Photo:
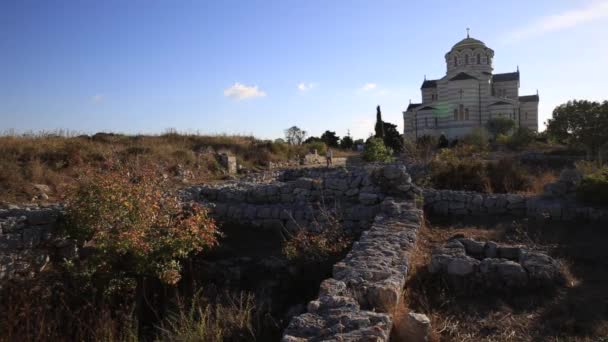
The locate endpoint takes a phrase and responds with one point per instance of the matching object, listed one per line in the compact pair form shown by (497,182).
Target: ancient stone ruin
(468,264)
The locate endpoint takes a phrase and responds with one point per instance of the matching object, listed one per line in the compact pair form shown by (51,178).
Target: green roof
(468,43)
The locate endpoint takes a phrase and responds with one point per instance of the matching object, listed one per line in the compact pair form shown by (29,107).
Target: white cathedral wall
(531,121)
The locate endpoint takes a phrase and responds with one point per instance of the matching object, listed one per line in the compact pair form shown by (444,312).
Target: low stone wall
(450,202)
(366,285)
(303,198)
(461,203)
(28,240)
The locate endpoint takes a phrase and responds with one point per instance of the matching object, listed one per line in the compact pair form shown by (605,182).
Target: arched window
(455,114)
(526,115)
(489,60)
(461,115)
(466,114)
(466,59)
(455,61)
(426,122)
(478,59)
(436,122)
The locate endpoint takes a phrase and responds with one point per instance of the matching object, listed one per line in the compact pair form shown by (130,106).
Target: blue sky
(258,67)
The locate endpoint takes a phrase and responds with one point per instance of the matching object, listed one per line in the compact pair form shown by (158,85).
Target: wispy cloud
(556,22)
(240,91)
(306,86)
(98,98)
(369,86)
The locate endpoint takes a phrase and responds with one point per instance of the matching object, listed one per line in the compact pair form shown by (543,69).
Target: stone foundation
(470,265)
(29,240)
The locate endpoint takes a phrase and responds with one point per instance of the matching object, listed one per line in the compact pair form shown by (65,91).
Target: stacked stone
(298,201)
(367,283)
(468,265)
(450,202)
(28,240)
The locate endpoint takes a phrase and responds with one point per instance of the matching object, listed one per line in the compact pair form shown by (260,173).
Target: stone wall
(355,304)
(28,240)
(546,207)
(302,198)
(450,202)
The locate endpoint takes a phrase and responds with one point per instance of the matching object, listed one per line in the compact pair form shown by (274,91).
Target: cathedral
(468,96)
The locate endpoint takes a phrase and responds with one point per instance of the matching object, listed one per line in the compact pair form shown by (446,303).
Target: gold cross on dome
(468,29)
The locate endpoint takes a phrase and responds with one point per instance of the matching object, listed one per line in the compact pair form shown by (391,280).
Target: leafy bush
(460,169)
(521,139)
(507,176)
(320,146)
(477,138)
(135,226)
(499,125)
(593,188)
(375,150)
(451,171)
(326,243)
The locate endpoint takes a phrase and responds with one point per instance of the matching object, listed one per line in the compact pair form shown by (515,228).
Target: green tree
(347,143)
(499,125)
(312,140)
(581,123)
(294,135)
(392,138)
(375,150)
(379,128)
(330,138)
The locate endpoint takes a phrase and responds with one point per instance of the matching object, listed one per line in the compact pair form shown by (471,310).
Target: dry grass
(56,160)
(578,312)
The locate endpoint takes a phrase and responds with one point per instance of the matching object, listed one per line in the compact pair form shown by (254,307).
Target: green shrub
(459,169)
(135,225)
(593,188)
(375,150)
(521,139)
(478,138)
(507,176)
(499,125)
(320,146)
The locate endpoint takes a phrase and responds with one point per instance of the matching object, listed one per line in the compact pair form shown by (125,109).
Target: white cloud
(240,91)
(369,86)
(306,86)
(568,19)
(98,98)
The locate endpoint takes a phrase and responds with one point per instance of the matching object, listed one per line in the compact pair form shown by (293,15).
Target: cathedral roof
(413,105)
(468,43)
(429,84)
(462,76)
(509,76)
(500,103)
(528,98)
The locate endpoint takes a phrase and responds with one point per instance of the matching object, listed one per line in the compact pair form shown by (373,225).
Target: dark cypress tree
(379,124)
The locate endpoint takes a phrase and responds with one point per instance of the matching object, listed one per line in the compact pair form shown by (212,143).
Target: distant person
(328,156)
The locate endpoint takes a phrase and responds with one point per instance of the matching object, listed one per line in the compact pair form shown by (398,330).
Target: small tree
(294,135)
(499,125)
(379,128)
(392,138)
(375,150)
(347,143)
(582,123)
(330,138)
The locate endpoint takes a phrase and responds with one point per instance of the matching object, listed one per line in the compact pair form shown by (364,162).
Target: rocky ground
(576,310)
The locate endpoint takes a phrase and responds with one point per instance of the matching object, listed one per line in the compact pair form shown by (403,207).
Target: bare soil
(576,312)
